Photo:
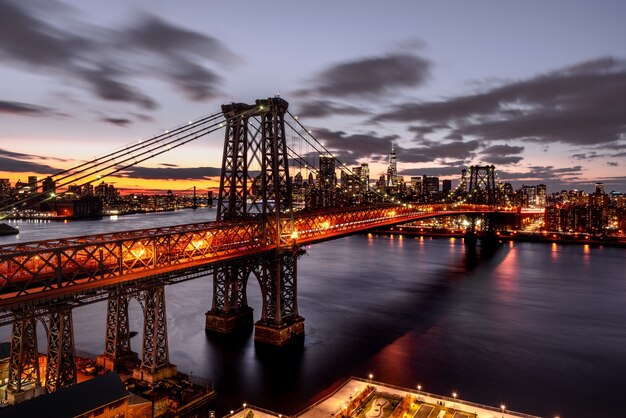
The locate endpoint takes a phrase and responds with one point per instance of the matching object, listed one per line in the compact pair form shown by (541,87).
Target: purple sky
(537,88)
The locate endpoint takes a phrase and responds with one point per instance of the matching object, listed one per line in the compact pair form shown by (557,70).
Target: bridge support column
(280,323)
(117,350)
(155,364)
(230,311)
(61,367)
(24,377)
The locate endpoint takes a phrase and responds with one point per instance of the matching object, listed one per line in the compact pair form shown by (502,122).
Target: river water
(539,327)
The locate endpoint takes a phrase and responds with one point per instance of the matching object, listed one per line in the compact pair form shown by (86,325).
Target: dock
(363,398)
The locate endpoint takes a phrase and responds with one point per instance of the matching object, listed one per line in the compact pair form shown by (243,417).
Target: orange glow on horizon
(134,185)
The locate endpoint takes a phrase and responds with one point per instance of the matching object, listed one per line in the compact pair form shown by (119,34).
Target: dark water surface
(540,327)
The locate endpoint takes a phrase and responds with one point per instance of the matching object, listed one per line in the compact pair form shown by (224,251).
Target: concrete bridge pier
(155,362)
(24,377)
(230,311)
(280,323)
(117,350)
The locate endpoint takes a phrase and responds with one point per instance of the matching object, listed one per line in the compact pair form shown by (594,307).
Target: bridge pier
(280,323)
(117,350)
(155,364)
(24,377)
(61,365)
(230,311)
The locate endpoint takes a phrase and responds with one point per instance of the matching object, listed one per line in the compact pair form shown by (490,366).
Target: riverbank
(544,237)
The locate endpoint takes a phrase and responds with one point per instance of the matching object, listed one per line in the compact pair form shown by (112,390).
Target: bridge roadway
(82,268)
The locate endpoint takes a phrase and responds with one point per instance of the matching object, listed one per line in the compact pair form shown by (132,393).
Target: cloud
(106,62)
(368,145)
(587,155)
(117,121)
(502,154)
(321,108)
(612,163)
(502,150)
(434,171)
(21,156)
(171,173)
(370,76)
(501,159)
(579,105)
(17,108)
(21,166)
(431,151)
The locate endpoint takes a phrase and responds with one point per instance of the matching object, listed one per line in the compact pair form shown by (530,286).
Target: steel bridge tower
(482,185)
(264,199)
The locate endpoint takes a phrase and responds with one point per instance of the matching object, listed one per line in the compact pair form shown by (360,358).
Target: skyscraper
(327,181)
(365,176)
(392,170)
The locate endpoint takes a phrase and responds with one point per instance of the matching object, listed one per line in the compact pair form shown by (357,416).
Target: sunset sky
(537,88)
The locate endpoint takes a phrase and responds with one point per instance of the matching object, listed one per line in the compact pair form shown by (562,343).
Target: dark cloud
(321,108)
(370,76)
(502,154)
(434,171)
(502,150)
(17,108)
(539,173)
(501,159)
(432,151)
(20,166)
(355,145)
(171,173)
(587,155)
(21,156)
(117,121)
(106,61)
(619,154)
(612,163)
(578,105)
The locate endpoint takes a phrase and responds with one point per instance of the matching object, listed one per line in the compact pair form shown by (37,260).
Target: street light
(371,376)
(454,396)
(503,406)
(419,388)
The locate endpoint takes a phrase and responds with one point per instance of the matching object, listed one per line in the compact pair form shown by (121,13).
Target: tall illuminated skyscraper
(392,171)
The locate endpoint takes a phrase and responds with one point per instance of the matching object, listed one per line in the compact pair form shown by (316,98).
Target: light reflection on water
(541,328)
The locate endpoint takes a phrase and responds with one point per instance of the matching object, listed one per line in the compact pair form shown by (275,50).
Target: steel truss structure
(61,365)
(277,276)
(24,362)
(117,339)
(155,354)
(40,274)
(482,185)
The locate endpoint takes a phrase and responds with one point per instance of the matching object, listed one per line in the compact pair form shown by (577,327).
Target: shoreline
(547,238)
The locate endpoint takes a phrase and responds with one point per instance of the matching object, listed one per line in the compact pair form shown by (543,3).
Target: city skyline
(544,105)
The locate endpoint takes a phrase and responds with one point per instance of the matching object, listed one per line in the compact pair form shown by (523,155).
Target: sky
(537,88)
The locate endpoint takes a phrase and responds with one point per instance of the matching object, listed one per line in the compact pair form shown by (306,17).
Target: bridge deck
(36,272)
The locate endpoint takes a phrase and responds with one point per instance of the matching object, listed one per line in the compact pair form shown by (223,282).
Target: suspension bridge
(258,233)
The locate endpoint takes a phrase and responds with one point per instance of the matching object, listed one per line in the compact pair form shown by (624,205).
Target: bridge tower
(482,185)
(266,199)
(117,337)
(61,367)
(24,377)
(155,360)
